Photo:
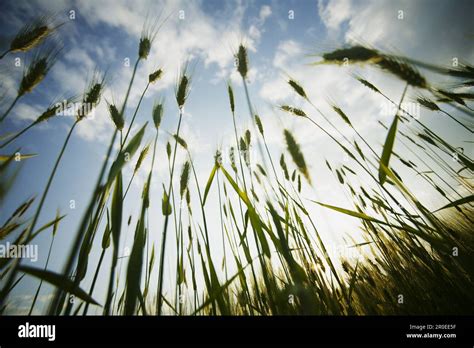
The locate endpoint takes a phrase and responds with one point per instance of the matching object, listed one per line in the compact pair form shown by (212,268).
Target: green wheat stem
(94,280)
(55,303)
(41,281)
(165,227)
(31,227)
(17,135)
(9,108)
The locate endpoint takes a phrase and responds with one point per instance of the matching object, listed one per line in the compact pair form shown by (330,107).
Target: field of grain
(243,239)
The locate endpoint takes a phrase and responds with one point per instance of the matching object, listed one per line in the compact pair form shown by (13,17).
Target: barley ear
(231,97)
(297,88)
(296,154)
(242,61)
(258,121)
(117,118)
(157,114)
(182,89)
(183,182)
(293,110)
(155,76)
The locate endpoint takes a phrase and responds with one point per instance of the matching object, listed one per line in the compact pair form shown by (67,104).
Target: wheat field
(166,228)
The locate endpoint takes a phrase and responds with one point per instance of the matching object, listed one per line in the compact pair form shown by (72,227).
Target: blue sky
(105,33)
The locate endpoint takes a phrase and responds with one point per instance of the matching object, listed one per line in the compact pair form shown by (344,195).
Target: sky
(283,39)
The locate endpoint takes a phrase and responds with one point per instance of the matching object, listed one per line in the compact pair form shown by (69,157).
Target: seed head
(284,167)
(403,70)
(258,121)
(342,114)
(328,165)
(354,54)
(297,88)
(260,168)
(50,112)
(182,90)
(31,35)
(168,149)
(165,203)
(117,118)
(242,61)
(450,96)
(232,158)
(35,73)
(368,84)
(345,266)
(428,104)
(142,157)
(38,68)
(180,141)
(157,114)
(188,202)
(293,110)
(359,150)
(231,97)
(144,47)
(296,154)
(153,77)
(91,97)
(183,182)
(218,158)
(149,32)
(243,145)
(427,138)
(54,109)
(248,137)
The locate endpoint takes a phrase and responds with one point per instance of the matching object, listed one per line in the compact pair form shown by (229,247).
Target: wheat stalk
(34,73)
(296,154)
(31,35)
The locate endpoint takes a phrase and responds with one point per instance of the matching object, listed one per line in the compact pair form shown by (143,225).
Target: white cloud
(27,112)
(286,52)
(79,57)
(10,81)
(275,89)
(335,12)
(198,37)
(99,127)
(378,23)
(265,12)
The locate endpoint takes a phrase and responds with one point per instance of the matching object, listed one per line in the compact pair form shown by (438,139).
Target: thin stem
(5,53)
(165,227)
(457,121)
(10,108)
(249,103)
(134,115)
(77,242)
(41,281)
(91,290)
(30,229)
(17,135)
(129,184)
(147,276)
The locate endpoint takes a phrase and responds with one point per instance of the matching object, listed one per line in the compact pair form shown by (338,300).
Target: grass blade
(59,281)
(461,201)
(387,150)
